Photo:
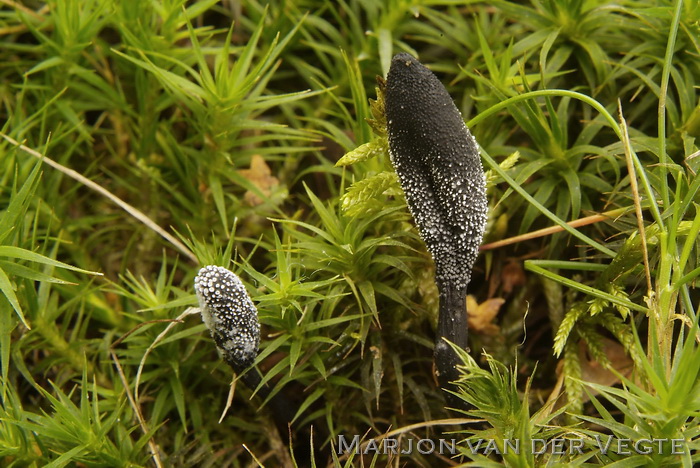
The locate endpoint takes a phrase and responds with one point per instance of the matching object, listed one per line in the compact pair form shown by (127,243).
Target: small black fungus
(232,320)
(437,161)
(229,314)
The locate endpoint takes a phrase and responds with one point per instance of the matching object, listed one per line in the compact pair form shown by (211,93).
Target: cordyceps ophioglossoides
(437,161)
(232,320)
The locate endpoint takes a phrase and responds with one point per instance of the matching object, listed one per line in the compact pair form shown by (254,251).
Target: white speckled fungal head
(229,314)
(437,161)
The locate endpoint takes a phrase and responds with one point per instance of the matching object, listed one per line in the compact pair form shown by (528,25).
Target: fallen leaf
(593,371)
(512,275)
(480,316)
(261,176)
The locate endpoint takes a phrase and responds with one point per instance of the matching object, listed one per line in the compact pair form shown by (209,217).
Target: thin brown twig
(119,340)
(24,9)
(136,213)
(626,144)
(554,229)
(153,447)
(253,455)
(229,398)
(173,322)
(133,399)
(551,399)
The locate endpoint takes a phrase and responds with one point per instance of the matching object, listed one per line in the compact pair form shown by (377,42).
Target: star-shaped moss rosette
(439,169)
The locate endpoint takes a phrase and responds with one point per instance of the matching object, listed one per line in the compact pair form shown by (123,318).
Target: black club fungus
(229,314)
(232,320)
(437,161)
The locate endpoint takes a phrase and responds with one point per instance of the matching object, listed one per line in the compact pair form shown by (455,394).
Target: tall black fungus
(437,161)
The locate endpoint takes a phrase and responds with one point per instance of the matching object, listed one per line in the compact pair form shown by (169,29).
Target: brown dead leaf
(480,316)
(594,372)
(261,176)
(512,276)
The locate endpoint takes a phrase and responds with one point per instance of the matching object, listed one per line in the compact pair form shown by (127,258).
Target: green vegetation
(179,134)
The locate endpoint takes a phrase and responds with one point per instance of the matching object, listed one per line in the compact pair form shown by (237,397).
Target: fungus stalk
(437,161)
